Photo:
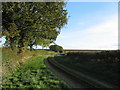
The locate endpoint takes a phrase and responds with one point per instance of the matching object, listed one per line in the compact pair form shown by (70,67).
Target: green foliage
(10,59)
(33,74)
(56,48)
(30,23)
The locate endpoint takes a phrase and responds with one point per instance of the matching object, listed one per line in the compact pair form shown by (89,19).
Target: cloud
(81,23)
(102,36)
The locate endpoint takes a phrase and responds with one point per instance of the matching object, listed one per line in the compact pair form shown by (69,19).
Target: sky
(93,0)
(91,25)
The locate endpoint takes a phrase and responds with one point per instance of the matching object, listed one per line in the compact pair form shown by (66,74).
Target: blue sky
(91,25)
(92,0)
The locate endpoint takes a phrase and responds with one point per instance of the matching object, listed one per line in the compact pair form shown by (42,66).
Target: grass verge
(11,60)
(33,74)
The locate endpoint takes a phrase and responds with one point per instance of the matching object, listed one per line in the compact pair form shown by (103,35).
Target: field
(75,50)
(102,66)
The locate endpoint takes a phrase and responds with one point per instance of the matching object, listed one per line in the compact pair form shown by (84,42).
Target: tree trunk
(31,47)
(12,46)
(21,46)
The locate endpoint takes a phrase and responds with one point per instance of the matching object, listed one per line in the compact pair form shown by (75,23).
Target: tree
(10,29)
(25,23)
(56,48)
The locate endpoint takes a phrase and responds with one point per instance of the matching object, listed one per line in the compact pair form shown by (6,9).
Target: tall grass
(11,60)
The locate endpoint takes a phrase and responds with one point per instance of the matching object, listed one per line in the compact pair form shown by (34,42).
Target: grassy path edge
(33,74)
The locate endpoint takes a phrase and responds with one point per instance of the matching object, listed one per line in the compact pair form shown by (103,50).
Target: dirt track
(72,82)
(63,76)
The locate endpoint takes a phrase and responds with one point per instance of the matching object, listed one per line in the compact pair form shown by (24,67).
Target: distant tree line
(32,23)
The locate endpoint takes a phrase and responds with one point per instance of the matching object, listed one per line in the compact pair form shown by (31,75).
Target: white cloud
(103,36)
(81,23)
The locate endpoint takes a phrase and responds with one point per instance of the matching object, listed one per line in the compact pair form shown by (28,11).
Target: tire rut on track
(63,76)
(88,77)
(70,81)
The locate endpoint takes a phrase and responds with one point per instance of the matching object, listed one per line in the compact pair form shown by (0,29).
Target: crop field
(75,50)
(33,74)
(102,66)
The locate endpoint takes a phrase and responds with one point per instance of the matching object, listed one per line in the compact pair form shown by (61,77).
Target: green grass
(11,60)
(33,74)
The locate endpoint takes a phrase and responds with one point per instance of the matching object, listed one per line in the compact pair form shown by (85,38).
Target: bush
(56,48)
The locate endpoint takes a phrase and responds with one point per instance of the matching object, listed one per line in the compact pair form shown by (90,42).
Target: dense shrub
(56,48)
